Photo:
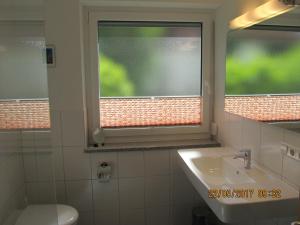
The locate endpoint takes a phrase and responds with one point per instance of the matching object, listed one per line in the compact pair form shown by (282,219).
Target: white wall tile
(251,137)
(64,94)
(105,195)
(198,200)
(11,174)
(79,194)
(158,216)
(4,188)
(41,192)
(181,185)
(58,164)
(175,166)
(38,159)
(182,214)
(56,130)
(221,129)
(132,193)
(291,170)
(131,164)
(55,89)
(12,186)
(70,98)
(157,162)
(73,129)
(17,170)
(9,210)
(107,217)
(157,191)
(132,217)
(76,163)
(10,140)
(42,139)
(28,139)
(109,157)
(226,129)
(46,192)
(291,167)
(45,168)
(270,153)
(10,136)
(2,156)
(286,221)
(61,195)
(292,138)
(266,222)
(86,218)
(30,166)
(235,131)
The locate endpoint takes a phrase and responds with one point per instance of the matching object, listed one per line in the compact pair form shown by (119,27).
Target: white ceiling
(205,4)
(21,3)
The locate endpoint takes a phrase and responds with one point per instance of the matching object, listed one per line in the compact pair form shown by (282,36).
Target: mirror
(263,71)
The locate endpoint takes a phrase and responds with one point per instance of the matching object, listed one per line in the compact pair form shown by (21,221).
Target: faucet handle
(246,155)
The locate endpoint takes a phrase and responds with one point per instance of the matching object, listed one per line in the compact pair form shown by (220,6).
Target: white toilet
(48,215)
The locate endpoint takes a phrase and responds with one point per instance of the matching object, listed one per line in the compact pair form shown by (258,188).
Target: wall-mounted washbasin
(234,193)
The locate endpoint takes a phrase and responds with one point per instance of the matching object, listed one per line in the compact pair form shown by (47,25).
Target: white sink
(234,193)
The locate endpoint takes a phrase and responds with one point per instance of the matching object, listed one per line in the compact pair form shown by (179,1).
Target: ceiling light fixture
(265,11)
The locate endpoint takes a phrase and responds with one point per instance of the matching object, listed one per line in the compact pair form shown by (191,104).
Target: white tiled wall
(147,187)
(265,141)
(12,188)
(144,189)
(38,157)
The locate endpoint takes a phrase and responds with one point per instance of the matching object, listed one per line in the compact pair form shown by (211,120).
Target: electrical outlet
(293,152)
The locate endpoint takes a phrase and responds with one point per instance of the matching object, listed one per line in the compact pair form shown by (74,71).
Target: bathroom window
(262,81)
(149,74)
(23,77)
(148,77)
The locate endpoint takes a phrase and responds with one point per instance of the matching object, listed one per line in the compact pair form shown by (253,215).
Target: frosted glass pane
(23,77)
(263,62)
(145,59)
(23,72)
(262,80)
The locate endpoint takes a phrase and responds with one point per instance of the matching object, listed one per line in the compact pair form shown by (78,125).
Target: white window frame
(158,134)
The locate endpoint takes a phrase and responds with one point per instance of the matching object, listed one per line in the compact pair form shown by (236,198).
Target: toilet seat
(48,215)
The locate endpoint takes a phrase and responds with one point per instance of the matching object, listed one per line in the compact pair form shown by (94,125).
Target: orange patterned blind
(166,111)
(161,111)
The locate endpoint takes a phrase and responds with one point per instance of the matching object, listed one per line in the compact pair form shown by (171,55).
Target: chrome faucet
(246,155)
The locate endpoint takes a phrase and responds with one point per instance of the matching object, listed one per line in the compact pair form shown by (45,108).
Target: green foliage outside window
(140,59)
(114,79)
(265,73)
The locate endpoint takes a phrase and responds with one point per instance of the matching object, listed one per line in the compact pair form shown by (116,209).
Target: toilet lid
(48,215)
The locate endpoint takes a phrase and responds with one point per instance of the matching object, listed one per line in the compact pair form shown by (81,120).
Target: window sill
(154,146)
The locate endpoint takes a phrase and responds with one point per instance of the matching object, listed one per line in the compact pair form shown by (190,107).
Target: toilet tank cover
(48,215)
